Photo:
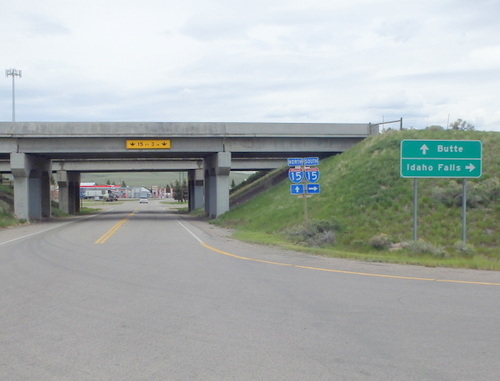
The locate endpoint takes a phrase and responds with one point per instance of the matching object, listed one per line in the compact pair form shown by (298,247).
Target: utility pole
(13,73)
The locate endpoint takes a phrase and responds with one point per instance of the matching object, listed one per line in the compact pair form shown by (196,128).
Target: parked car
(143,200)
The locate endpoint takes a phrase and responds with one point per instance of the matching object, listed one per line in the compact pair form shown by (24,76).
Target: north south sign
(441,158)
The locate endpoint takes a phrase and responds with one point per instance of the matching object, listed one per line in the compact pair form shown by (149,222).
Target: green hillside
(365,209)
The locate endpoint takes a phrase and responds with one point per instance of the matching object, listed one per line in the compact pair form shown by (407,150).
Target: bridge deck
(182,129)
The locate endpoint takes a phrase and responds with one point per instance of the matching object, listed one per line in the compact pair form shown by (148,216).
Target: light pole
(13,73)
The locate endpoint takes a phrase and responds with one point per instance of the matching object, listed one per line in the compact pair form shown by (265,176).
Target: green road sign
(441,158)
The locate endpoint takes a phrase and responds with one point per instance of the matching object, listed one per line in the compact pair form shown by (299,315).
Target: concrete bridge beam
(31,186)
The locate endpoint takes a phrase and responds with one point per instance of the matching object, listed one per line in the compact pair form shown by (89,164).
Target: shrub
(5,208)
(435,128)
(465,250)
(484,192)
(421,247)
(380,241)
(478,194)
(314,233)
(449,195)
(6,189)
(323,239)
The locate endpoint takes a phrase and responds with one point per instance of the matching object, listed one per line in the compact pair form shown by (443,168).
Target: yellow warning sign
(148,144)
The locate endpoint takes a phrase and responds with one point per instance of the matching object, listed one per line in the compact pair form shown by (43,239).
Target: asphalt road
(141,293)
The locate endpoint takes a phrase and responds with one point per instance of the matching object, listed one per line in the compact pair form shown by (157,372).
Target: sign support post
(464,211)
(304,178)
(415,207)
(306,217)
(441,159)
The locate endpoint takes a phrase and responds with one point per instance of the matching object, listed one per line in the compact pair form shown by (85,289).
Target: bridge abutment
(31,186)
(196,186)
(217,169)
(69,191)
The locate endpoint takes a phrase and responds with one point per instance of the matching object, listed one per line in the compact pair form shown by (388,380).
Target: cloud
(265,60)
(38,25)
(205,27)
(400,30)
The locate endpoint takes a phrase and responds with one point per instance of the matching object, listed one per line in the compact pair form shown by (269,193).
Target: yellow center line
(114,229)
(343,271)
(332,270)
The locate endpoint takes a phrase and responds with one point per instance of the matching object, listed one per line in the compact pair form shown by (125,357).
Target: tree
(434,127)
(124,185)
(462,125)
(178,193)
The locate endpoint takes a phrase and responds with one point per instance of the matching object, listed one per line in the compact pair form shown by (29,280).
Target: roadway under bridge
(32,151)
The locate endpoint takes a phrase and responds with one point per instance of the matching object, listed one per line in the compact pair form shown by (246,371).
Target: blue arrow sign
(313,188)
(312,174)
(296,175)
(297,189)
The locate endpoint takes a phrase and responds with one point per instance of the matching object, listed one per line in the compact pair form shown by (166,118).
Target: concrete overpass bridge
(31,151)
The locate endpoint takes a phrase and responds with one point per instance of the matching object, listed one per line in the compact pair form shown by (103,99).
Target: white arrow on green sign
(441,158)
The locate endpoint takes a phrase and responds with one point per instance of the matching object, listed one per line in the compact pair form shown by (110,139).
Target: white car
(143,200)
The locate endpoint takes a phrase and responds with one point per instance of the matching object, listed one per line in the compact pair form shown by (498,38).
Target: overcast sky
(354,61)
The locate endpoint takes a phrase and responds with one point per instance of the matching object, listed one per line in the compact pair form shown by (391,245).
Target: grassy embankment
(7,217)
(365,209)
(6,207)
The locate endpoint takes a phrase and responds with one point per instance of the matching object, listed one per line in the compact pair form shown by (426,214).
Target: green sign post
(441,158)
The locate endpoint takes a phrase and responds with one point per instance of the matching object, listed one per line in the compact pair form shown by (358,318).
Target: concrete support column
(69,191)
(217,169)
(196,182)
(31,186)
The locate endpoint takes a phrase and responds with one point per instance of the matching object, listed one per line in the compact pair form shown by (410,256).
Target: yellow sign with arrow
(148,144)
